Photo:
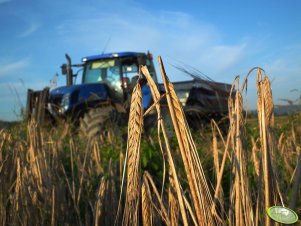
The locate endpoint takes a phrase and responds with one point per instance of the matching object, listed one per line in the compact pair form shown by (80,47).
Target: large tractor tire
(96,121)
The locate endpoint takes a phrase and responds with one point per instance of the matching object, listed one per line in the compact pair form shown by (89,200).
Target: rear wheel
(96,121)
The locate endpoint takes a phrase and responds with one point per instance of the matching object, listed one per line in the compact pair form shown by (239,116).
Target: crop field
(171,175)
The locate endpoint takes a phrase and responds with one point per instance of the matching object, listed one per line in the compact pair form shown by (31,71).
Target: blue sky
(219,38)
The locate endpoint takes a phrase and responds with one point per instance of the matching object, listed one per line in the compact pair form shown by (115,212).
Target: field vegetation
(169,176)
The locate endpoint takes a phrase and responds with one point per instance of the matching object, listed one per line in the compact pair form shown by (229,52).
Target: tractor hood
(83,91)
(65,98)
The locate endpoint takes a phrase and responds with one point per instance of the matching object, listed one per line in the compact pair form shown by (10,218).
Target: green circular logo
(282,214)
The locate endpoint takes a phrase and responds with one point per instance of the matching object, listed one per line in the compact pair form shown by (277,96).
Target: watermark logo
(282,214)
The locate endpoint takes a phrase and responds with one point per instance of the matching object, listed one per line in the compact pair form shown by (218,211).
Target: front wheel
(95,121)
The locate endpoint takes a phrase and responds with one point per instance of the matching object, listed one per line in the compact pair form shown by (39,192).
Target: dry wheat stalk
(100,201)
(3,136)
(218,196)
(97,157)
(53,218)
(173,207)
(83,171)
(265,119)
(254,157)
(110,201)
(218,193)
(34,149)
(161,210)
(71,194)
(264,168)
(172,169)
(258,211)
(215,151)
(172,201)
(146,200)
(280,144)
(72,149)
(173,204)
(242,201)
(201,196)
(191,212)
(18,185)
(297,182)
(131,208)
(218,188)
(269,106)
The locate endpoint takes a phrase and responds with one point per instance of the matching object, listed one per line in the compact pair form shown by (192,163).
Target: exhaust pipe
(67,70)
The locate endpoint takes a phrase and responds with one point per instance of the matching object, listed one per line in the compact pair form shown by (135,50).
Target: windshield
(101,71)
(104,71)
(114,72)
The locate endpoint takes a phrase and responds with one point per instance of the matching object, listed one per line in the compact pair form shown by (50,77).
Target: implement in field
(37,104)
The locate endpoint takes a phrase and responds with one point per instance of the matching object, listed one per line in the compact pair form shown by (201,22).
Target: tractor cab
(119,71)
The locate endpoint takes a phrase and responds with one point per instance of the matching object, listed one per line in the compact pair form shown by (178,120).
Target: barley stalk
(3,136)
(264,120)
(221,172)
(83,169)
(242,202)
(172,170)
(33,151)
(146,203)
(53,207)
(201,196)
(18,184)
(110,201)
(297,183)
(161,209)
(255,158)
(173,207)
(215,152)
(99,202)
(189,208)
(131,208)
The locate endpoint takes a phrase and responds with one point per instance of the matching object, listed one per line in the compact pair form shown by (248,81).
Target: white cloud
(284,71)
(173,35)
(225,56)
(171,30)
(30,30)
(11,68)
(4,1)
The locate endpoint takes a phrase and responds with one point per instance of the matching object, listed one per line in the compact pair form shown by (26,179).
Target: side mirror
(64,69)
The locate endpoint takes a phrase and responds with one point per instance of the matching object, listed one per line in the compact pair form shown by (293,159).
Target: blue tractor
(104,93)
(105,90)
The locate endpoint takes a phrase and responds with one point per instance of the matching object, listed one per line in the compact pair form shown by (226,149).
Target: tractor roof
(112,55)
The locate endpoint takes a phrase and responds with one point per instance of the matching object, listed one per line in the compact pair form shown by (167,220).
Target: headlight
(65,103)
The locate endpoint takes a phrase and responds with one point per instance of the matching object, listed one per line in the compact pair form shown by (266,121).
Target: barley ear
(131,207)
